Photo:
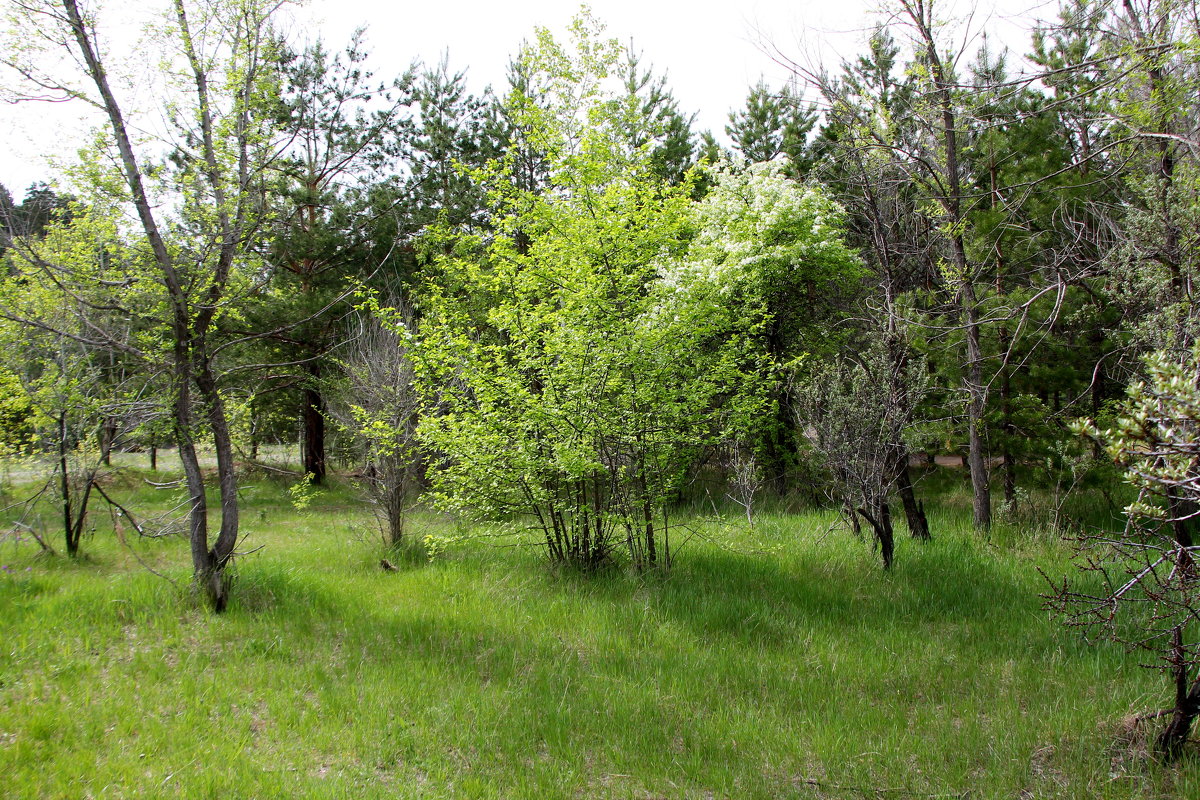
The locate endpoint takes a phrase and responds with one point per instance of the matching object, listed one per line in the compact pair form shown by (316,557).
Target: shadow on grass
(762,599)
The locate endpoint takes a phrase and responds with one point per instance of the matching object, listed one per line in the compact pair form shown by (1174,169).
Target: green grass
(778,662)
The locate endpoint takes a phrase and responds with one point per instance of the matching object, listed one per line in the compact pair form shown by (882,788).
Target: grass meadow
(772,661)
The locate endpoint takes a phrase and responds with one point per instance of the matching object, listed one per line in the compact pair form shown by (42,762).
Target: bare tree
(855,414)
(379,411)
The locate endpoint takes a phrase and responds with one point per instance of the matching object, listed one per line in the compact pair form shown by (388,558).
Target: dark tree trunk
(881,523)
(1008,461)
(65,486)
(108,435)
(215,580)
(849,511)
(312,417)
(1010,480)
(780,446)
(914,511)
(394,511)
(981,500)
(153,456)
(1174,736)
(1171,741)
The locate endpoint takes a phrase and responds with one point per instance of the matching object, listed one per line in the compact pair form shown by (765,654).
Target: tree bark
(216,582)
(914,511)
(1174,736)
(312,417)
(65,485)
(881,524)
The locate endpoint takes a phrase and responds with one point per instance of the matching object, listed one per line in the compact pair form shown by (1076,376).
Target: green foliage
(1156,437)
(658,122)
(586,370)
(774,124)
(302,492)
(17,432)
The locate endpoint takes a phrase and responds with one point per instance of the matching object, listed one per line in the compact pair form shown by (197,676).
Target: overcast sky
(711,51)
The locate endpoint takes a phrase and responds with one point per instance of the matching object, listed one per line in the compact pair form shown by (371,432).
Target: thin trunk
(648,525)
(887,539)
(65,485)
(188,330)
(394,508)
(981,500)
(193,477)
(1171,741)
(218,426)
(920,13)
(1010,431)
(1003,345)
(81,513)
(849,511)
(108,435)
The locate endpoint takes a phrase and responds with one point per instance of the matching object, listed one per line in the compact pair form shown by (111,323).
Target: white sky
(711,51)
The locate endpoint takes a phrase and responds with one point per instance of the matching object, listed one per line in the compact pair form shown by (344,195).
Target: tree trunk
(920,14)
(312,417)
(65,485)
(394,497)
(881,524)
(193,478)
(108,435)
(914,511)
(981,500)
(1170,742)
(1174,736)
(218,426)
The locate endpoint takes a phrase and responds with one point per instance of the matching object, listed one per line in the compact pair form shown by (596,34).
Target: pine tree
(774,124)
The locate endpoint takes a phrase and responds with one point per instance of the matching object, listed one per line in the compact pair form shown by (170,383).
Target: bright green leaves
(579,363)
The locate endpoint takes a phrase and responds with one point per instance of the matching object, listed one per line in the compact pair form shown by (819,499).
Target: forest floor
(772,661)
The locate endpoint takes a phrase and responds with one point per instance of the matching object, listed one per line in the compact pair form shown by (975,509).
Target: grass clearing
(777,662)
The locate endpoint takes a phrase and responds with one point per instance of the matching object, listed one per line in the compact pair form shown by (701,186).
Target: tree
(1154,267)
(943,197)
(859,415)
(456,132)
(1147,593)
(657,121)
(861,160)
(566,378)
(379,413)
(776,249)
(198,235)
(344,135)
(774,124)
(62,322)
